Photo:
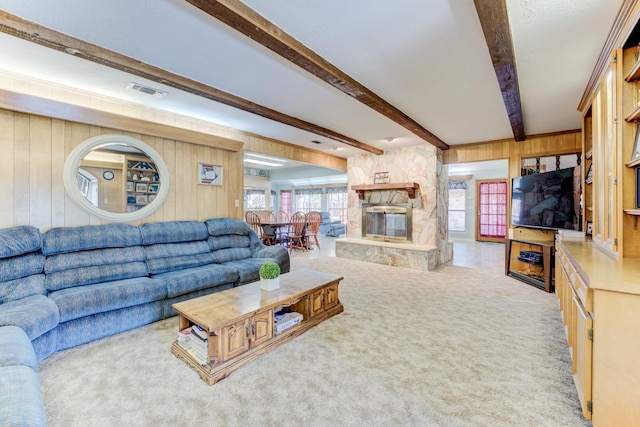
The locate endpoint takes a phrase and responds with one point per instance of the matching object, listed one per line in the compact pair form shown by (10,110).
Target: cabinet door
(330,296)
(235,339)
(582,355)
(262,327)
(317,302)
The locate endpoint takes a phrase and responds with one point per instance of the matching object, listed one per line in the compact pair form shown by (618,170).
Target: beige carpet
(452,347)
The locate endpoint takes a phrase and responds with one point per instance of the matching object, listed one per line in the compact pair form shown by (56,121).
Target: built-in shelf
(409,187)
(634,116)
(634,73)
(633,163)
(635,212)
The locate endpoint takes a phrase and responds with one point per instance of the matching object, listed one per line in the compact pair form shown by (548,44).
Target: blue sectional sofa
(72,285)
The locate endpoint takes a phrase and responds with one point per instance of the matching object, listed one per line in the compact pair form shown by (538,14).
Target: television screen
(547,200)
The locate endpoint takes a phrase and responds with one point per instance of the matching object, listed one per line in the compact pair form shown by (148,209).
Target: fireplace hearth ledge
(417,257)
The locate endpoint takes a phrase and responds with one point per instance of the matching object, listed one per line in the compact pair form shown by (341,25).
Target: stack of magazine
(194,340)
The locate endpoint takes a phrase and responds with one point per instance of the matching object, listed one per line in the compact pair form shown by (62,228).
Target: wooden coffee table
(239,322)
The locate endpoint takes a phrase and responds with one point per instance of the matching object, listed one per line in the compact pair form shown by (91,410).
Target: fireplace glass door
(390,223)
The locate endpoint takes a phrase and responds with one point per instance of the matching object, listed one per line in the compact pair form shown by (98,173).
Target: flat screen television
(548,200)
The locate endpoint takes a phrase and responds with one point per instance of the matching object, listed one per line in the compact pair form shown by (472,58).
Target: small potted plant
(269,276)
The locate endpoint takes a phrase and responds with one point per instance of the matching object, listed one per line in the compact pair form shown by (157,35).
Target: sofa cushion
(19,240)
(21,266)
(13,290)
(101,297)
(249,268)
(222,226)
(228,241)
(173,232)
(177,256)
(70,239)
(181,282)
(20,397)
(36,315)
(96,274)
(94,257)
(16,348)
(231,254)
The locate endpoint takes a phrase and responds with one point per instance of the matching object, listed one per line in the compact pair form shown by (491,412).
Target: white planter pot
(270,284)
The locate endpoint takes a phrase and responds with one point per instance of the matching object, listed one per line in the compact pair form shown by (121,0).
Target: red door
(491,206)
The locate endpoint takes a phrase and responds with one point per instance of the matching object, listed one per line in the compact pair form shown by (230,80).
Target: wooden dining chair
(296,233)
(253,220)
(313,226)
(282,236)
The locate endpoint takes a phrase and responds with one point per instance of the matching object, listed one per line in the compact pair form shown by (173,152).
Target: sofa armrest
(279,253)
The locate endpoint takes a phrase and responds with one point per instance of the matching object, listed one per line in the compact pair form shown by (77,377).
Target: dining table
(274,229)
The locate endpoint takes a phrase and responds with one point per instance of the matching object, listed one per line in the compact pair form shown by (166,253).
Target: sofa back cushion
(19,240)
(71,239)
(78,256)
(21,263)
(93,266)
(173,232)
(230,239)
(175,245)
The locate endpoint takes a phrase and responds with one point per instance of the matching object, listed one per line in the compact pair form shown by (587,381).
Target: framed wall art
(209,174)
(381,178)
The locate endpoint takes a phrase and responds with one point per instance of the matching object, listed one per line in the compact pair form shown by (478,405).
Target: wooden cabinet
(599,299)
(324,299)
(238,337)
(239,322)
(530,261)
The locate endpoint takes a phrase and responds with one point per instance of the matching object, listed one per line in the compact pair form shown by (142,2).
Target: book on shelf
(197,330)
(285,319)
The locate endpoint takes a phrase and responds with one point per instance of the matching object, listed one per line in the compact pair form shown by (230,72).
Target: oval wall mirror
(116,178)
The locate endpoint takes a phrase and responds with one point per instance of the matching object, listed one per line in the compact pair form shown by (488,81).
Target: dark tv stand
(538,273)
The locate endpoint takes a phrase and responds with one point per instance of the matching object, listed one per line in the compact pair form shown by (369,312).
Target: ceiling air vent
(315,141)
(136,87)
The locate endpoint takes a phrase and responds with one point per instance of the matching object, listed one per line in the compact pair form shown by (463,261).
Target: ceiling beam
(241,18)
(33,32)
(495,25)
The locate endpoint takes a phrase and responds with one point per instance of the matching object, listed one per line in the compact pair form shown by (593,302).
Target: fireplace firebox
(387,222)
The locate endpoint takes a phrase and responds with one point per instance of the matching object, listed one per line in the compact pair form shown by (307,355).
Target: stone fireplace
(377,231)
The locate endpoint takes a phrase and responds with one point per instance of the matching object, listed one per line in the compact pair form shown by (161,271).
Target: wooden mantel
(409,187)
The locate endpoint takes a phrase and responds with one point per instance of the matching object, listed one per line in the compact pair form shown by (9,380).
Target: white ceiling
(427,58)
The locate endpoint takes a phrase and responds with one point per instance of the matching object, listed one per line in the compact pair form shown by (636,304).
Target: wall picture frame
(141,187)
(129,185)
(142,199)
(381,178)
(209,174)
(153,188)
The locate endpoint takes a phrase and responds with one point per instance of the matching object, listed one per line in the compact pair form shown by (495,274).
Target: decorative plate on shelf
(262,173)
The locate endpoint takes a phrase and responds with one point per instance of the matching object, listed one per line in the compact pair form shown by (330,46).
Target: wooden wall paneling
(7,119)
(203,193)
(21,159)
(39,172)
(74,135)
(58,157)
(190,172)
(170,203)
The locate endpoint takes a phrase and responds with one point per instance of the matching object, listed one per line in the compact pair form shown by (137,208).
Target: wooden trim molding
(495,25)
(33,32)
(409,187)
(604,59)
(248,22)
(59,110)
